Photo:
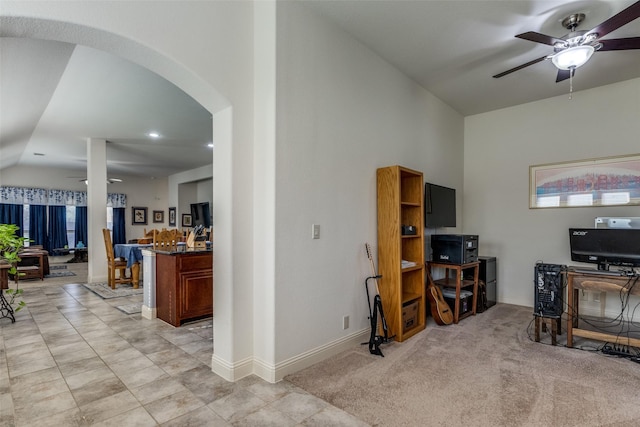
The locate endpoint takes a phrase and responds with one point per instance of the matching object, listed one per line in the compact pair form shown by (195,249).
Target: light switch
(315,231)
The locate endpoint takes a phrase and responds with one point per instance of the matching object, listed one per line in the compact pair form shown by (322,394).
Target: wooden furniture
(619,285)
(33,264)
(115,264)
(166,240)
(400,203)
(542,323)
(459,282)
(184,285)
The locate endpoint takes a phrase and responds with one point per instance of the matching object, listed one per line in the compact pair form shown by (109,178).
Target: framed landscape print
(158,216)
(608,181)
(138,216)
(186,220)
(172,217)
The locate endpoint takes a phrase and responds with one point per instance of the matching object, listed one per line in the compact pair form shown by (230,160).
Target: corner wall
(500,146)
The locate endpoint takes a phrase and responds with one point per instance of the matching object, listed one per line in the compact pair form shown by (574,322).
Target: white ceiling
(53,96)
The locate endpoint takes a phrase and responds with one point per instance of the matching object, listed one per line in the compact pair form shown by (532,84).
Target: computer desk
(599,283)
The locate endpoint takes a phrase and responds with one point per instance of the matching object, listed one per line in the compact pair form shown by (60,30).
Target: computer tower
(487,274)
(548,290)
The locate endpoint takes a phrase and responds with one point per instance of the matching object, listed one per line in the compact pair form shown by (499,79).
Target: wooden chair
(114,265)
(166,240)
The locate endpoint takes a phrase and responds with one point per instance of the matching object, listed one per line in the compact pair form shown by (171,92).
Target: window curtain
(119,235)
(12,214)
(57,228)
(81,226)
(38,225)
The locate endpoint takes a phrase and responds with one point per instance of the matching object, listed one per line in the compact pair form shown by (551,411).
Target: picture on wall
(172,217)
(609,181)
(138,216)
(186,220)
(158,216)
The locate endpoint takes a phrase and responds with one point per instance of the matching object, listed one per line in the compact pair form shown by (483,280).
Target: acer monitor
(605,246)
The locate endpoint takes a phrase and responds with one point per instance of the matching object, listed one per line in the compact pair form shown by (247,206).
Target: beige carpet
(485,371)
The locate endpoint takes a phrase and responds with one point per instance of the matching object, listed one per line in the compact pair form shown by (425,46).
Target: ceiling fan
(574,49)
(86,180)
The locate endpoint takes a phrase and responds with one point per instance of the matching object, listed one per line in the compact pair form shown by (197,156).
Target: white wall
(499,148)
(140,191)
(342,112)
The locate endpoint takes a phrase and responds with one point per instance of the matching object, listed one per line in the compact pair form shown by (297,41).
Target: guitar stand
(376,340)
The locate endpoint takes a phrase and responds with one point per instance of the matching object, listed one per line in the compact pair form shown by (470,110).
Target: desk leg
(135,275)
(456,315)
(571,312)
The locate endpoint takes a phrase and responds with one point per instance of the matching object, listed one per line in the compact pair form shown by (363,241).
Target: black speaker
(487,291)
(548,290)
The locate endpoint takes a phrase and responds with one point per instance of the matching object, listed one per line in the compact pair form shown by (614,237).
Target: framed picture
(139,216)
(607,181)
(158,216)
(172,217)
(186,220)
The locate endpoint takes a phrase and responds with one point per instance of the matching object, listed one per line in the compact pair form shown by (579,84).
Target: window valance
(41,196)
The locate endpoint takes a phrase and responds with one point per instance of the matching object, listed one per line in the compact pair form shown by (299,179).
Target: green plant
(10,245)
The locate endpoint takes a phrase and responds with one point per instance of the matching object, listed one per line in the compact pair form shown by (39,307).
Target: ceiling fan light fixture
(572,57)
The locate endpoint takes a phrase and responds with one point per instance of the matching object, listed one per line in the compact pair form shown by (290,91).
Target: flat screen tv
(439,206)
(200,214)
(605,246)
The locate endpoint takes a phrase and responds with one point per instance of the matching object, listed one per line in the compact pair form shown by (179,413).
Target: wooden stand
(458,282)
(556,327)
(601,283)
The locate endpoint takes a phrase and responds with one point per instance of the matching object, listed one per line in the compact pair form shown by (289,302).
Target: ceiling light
(572,57)
(154,134)
(210,145)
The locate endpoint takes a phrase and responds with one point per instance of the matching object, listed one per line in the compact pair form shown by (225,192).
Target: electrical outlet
(315,231)
(596,296)
(345,322)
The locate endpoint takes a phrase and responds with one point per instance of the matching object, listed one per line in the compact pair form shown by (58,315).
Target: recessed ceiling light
(153,134)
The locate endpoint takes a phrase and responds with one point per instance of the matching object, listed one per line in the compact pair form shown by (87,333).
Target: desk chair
(114,265)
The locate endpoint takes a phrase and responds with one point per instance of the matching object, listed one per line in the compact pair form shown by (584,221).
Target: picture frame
(605,181)
(186,220)
(138,216)
(158,216)
(172,217)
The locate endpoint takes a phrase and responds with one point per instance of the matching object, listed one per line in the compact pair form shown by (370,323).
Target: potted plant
(10,245)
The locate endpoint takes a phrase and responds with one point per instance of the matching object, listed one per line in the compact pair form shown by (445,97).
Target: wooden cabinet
(184,286)
(402,288)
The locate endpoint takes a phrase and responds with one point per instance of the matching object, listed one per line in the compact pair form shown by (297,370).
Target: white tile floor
(73,359)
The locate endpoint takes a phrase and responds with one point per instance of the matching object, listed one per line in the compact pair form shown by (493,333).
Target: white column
(149,309)
(96,208)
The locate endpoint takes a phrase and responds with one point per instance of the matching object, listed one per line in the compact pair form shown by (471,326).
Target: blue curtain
(12,214)
(57,228)
(119,235)
(38,225)
(81,226)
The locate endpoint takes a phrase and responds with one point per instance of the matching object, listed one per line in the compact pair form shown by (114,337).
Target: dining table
(132,253)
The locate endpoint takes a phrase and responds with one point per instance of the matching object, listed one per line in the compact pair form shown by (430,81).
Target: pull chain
(571,83)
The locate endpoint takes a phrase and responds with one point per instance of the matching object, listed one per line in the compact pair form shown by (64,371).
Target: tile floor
(73,359)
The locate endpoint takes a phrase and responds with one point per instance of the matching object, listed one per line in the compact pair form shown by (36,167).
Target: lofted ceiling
(53,96)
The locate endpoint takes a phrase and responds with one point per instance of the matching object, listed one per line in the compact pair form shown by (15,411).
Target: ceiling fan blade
(520,67)
(539,38)
(617,21)
(620,44)
(564,74)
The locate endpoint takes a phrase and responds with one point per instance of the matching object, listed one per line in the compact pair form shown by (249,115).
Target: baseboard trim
(231,371)
(318,354)
(148,312)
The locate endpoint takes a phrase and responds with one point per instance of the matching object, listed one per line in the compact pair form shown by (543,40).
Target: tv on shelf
(439,206)
(605,246)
